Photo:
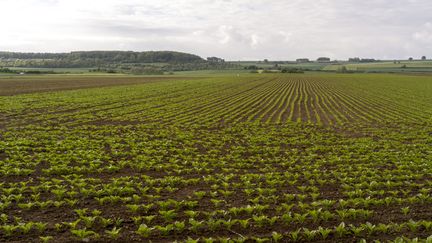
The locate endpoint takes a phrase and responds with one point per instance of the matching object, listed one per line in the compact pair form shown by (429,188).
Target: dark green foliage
(7,70)
(251,67)
(292,70)
(94,58)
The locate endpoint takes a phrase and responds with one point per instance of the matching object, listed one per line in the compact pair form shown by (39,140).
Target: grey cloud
(240,29)
(425,34)
(127,30)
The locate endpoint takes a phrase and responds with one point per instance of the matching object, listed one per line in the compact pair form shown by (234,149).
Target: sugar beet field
(249,158)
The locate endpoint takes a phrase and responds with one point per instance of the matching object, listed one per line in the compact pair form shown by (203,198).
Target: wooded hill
(94,58)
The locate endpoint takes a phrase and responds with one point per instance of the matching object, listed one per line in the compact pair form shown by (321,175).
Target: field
(404,66)
(59,70)
(309,66)
(386,66)
(13,85)
(217,158)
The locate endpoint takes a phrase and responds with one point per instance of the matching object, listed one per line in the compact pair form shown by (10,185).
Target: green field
(314,66)
(416,66)
(59,70)
(226,157)
(385,66)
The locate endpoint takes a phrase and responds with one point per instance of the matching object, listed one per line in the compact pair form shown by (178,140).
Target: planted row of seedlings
(218,160)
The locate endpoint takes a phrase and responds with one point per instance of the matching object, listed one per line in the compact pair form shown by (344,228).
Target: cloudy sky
(232,29)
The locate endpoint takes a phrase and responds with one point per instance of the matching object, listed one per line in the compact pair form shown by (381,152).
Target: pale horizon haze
(234,30)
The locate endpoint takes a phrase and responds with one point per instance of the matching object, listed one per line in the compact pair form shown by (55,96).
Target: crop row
(220,159)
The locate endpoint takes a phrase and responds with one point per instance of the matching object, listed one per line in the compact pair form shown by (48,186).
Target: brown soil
(25,85)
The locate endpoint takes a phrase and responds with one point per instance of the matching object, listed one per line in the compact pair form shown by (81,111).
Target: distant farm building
(302,60)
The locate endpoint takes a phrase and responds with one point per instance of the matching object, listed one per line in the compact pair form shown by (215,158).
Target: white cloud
(255,41)
(424,35)
(240,29)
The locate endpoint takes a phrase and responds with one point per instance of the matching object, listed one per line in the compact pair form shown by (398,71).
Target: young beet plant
(277,237)
(84,234)
(195,225)
(114,233)
(405,210)
(168,215)
(46,239)
(165,230)
(144,231)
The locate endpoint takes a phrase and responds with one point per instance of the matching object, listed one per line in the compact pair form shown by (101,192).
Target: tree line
(94,58)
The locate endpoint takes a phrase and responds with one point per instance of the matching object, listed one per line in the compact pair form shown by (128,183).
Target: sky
(231,29)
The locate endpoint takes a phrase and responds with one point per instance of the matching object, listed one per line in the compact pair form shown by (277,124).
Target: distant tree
(266,61)
(410,59)
(354,59)
(292,70)
(7,70)
(215,59)
(251,67)
(423,58)
(343,69)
